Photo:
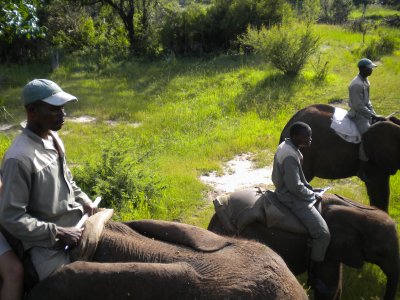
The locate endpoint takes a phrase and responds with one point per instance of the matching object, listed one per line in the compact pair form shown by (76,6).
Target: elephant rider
(361,111)
(293,190)
(40,203)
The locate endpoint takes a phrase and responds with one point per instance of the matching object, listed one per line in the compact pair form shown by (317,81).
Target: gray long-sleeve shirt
(359,101)
(288,177)
(38,192)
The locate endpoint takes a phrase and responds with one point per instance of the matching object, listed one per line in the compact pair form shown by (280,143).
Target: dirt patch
(6,127)
(115,123)
(238,174)
(89,119)
(82,119)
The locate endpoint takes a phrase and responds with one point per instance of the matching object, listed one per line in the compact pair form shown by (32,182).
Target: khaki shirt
(288,177)
(359,101)
(38,192)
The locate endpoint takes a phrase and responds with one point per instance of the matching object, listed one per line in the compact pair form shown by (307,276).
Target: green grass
(374,11)
(196,114)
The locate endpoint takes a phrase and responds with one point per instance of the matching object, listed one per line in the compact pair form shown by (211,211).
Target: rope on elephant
(354,204)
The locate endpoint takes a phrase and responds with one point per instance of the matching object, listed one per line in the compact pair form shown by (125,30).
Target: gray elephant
(359,234)
(152,259)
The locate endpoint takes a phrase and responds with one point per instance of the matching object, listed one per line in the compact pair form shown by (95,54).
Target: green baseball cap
(47,91)
(365,62)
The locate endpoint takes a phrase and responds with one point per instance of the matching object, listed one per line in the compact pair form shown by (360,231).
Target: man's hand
(69,235)
(377,118)
(89,208)
(318,198)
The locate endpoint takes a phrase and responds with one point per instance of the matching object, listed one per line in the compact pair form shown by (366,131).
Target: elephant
(331,157)
(154,259)
(359,234)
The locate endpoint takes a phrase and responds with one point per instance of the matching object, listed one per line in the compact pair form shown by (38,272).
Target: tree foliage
(92,30)
(135,16)
(198,28)
(335,11)
(19,28)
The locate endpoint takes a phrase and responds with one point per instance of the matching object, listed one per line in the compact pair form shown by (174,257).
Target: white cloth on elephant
(344,126)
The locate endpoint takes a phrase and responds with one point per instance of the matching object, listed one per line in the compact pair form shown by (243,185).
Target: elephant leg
(378,191)
(90,280)
(328,285)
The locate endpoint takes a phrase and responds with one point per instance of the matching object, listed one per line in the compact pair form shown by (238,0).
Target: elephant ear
(382,145)
(177,233)
(346,237)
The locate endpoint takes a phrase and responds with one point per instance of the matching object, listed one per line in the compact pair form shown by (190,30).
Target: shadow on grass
(269,96)
(135,84)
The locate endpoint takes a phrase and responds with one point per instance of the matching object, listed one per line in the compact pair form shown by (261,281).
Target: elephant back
(239,209)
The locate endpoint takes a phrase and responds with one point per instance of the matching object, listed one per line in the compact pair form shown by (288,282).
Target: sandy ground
(238,174)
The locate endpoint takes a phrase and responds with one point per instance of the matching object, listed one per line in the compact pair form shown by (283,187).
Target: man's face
(365,72)
(48,117)
(303,139)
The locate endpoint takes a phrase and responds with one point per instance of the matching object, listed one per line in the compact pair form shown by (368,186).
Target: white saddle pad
(345,127)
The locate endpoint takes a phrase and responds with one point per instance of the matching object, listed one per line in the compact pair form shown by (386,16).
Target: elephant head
(359,234)
(166,260)
(363,234)
(332,157)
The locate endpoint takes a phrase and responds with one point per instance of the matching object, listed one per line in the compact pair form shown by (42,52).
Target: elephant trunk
(391,284)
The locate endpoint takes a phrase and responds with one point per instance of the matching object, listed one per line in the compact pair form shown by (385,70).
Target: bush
(92,31)
(286,47)
(384,44)
(335,11)
(197,28)
(122,179)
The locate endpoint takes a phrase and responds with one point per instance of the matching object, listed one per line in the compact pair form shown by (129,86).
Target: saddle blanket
(344,126)
(239,209)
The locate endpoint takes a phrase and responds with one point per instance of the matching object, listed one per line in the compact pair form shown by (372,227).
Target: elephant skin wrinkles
(130,265)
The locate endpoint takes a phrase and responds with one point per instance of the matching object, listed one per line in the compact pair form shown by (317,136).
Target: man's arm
(13,207)
(357,101)
(292,180)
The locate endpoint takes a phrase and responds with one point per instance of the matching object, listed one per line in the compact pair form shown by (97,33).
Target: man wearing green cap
(361,111)
(40,203)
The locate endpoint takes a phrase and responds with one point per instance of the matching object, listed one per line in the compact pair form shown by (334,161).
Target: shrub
(198,28)
(286,47)
(384,44)
(94,31)
(335,11)
(122,179)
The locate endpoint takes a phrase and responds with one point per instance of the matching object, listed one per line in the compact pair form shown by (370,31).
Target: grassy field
(192,115)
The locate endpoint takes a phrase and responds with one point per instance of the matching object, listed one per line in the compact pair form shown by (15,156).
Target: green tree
(19,26)
(335,11)
(135,15)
